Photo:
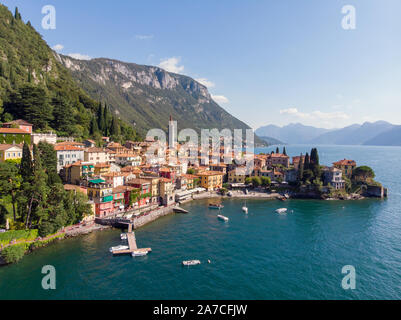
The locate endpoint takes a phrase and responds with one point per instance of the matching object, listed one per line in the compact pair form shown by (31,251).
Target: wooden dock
(131,244)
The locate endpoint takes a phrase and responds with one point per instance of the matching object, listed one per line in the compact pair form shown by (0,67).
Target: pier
(131,243)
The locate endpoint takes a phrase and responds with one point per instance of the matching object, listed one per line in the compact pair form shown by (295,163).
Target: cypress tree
(17,15)
(100,120)
(114,128)
(277,150)
(284,151)
(93,127)
(307,162)
(301,169)
(26,168)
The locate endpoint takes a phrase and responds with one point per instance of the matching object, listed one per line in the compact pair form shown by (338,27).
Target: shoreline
(153,215)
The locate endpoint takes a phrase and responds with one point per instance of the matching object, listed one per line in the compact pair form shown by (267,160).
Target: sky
(265,62)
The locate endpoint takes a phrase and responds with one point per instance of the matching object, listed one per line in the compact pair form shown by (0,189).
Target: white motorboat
(118,248)
(281,210)
(139,253)
(123,236)
(221,217)
(191,262)
(245,208)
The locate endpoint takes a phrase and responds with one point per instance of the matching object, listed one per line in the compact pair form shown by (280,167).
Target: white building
(67,155)
(45,137)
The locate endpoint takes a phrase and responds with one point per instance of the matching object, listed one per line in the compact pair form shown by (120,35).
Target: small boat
(118,248)
(230,194)
(123,236)
(281,210)
(215,206)
(245,208)
(222,217)
(139,253)
(191,262)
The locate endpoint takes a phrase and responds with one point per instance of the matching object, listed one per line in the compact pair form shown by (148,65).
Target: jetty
(131,244)
(179,210)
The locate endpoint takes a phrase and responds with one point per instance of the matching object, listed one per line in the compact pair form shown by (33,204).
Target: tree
(314,163)
(256,182)
(301,169)
(284,151)
(31,103)
(10,182)
(190,171)
(307,162)
(94,129)
(266,181)
(363,173)
(26,169)
(49,162)
(277,150)
(63,113)
(17,15)
(248,180)
(115,127)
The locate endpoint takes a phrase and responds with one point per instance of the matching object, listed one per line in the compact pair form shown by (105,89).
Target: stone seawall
(152,216)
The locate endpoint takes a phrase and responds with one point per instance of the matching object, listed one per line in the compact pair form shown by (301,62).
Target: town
(119,181)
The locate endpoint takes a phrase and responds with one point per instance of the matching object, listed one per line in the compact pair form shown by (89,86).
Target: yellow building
(102,168)
(10,152)
(237,175)
(154,187)
(211,180)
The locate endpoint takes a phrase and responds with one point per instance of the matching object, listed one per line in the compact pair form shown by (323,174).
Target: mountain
(390,137)
(271,141)
(36,87)
(355,134)
(146,96)
(295,133)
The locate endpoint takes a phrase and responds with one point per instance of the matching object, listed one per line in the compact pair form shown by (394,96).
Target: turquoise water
(261,255)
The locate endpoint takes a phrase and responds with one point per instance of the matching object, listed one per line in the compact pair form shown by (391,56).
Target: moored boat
(118,248)
(221,217)
(215,206)
(123,236)
(139,253)
(191,262)
(281,210)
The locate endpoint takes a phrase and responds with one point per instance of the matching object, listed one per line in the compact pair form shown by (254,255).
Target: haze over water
(261,255)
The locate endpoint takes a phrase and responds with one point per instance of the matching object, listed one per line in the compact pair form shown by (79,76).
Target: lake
(262,255)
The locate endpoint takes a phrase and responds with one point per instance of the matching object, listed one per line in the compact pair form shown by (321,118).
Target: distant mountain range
(380,133)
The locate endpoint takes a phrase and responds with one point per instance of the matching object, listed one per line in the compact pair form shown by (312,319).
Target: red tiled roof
(13,130)
(66,148)
(345,162)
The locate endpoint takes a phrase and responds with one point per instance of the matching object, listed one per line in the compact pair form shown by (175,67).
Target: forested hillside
(36,87)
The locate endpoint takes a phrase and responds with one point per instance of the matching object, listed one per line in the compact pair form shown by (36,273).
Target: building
(50,138)
(296,160)
(167,173)
(237,175)
(172,133)
(20,124)
(166,191)
(154,188)
(89,143)
(333,177)
(68,154)
(10,152)
(101,169)
(219,167)
(128,159)
(144,187)
(116,179)
(191,181)
(211,180)
(278,159)
(73,173)
(101,194)
(97,155)
(14,136)
(346,166)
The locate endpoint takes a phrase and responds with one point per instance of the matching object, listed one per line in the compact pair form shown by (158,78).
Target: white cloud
(315,115)
(220,98)
(58,47)
(289,111)
(207,83)
(144,36)
(79,56)
(171,65)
